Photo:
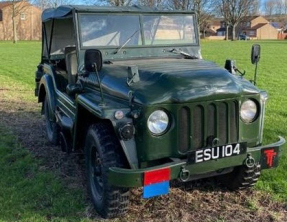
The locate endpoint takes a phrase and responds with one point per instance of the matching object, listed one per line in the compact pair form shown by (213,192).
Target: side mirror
(255,53)
(230,66)
(93,56)
(94,63)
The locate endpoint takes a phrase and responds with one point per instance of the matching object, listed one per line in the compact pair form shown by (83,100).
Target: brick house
(257,27)
(211,28)
(222,29)
(214,24)
(27,21)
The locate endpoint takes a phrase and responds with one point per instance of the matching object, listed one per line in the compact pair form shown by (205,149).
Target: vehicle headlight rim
(167,124)
(256,113)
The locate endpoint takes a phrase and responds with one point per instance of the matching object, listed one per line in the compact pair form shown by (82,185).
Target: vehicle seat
(71,63)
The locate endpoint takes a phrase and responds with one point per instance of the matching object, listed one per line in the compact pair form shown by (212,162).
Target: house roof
(210,31)
(216,23)
(277,25)
(4,4)
(221,30)
(9,3)
(250,18)
(258,26)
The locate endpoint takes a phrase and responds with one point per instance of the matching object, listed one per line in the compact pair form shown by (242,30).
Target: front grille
(200,124)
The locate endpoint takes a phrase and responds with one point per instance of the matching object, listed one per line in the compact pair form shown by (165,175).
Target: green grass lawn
(18,64)
(20,194)
(29,194)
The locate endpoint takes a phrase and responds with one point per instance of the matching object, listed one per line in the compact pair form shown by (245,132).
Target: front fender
(90,110)
(47,90)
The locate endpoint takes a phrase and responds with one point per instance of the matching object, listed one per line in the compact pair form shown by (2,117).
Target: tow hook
(250,161)
(184,174)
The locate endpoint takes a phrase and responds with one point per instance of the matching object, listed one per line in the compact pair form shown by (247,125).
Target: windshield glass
(173,29)
(110,30)
(119,30)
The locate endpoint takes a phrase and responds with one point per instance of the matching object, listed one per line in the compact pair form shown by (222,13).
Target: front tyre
(102,151)
(52,128)
(241,177)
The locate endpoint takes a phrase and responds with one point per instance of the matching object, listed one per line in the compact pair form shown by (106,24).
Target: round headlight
(158,122)
(248,111)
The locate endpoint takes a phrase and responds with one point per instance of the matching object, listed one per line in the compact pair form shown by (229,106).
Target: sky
(79,2)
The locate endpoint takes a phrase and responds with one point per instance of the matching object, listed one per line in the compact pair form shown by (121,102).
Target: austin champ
(128,87)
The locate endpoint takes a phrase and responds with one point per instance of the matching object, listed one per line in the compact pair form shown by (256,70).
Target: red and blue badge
(156,183)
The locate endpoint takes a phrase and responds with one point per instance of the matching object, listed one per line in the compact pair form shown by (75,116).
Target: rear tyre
(241,177)
(52,128)
(102,151)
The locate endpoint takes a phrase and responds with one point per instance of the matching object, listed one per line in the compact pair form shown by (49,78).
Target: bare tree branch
(203,8)
(111,2)
(43,4)
(234,11)
(17,7)
(151,3)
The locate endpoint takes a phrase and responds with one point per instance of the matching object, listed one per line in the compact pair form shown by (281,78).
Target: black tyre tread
(116,199)
(242,177)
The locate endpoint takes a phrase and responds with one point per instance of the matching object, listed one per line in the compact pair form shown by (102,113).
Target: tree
(111,2)
(117,2)
(269,7)
(284,7)
(276,10)
(43,4)
(279,6)
(151,3)
(203,8)
(283,18)
(224,11)
(275,7)
(181,4)
(234,12)
(17,7)
(255,10)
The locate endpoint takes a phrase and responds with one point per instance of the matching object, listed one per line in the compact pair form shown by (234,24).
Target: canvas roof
(66,10)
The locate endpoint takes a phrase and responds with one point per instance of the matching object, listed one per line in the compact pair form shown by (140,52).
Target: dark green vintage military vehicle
(129,88)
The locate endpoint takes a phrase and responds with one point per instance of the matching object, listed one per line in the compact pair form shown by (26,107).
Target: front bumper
(267,156)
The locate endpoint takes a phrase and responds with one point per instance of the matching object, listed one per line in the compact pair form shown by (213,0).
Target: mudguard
(47,88)
(90,103)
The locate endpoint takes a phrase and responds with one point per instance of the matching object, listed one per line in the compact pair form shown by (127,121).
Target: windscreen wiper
(126,42)
(186,55)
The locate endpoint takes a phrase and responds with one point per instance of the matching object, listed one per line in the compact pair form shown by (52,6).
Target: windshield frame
(140,16)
